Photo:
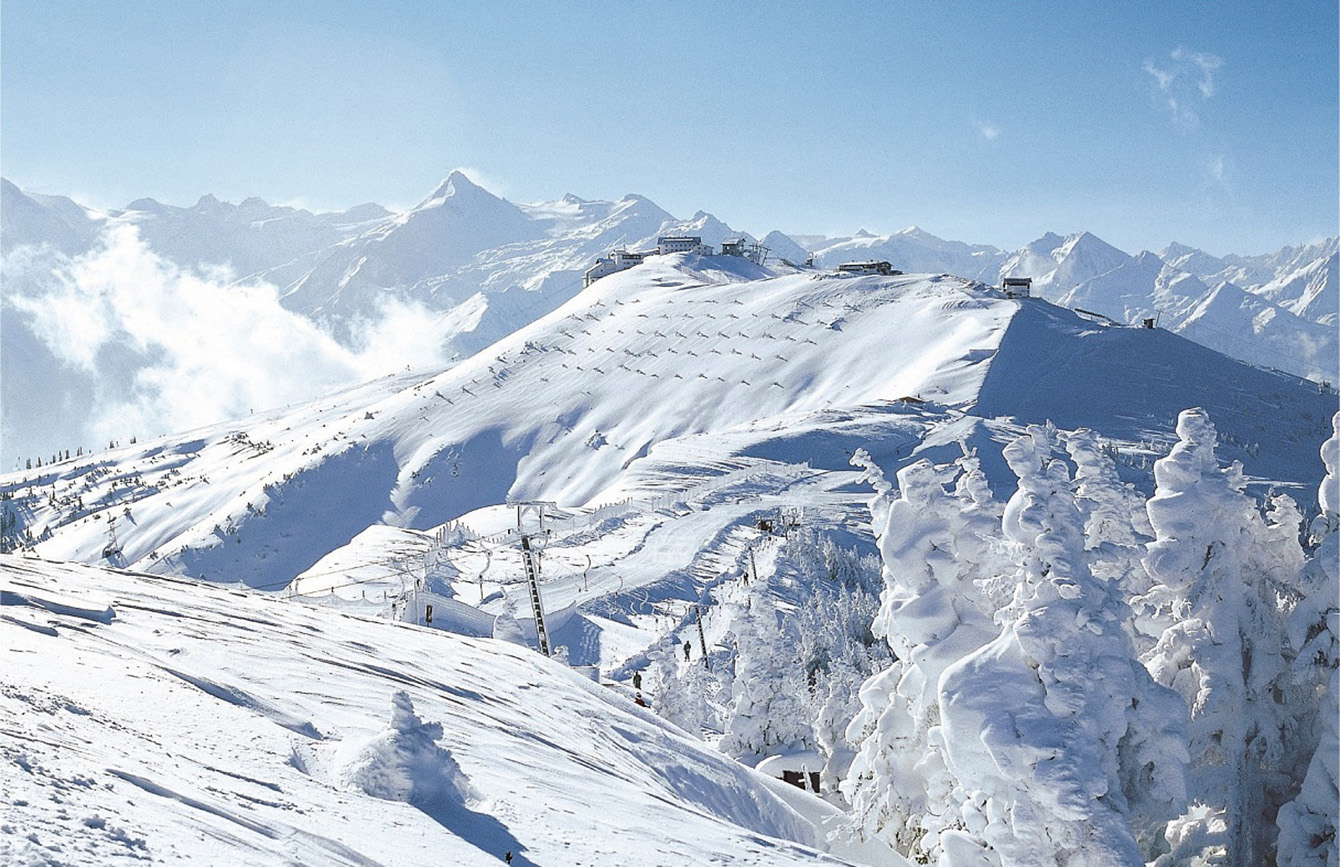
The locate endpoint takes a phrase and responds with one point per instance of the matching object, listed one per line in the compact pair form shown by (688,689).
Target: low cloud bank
(120,342)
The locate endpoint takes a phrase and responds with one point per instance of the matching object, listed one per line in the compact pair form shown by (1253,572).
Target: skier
(687,648)
(637,681)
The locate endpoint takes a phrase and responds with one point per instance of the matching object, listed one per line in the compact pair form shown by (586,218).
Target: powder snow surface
(148,718)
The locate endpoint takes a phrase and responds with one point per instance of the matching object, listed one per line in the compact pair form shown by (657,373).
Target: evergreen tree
(932,614)
(1224,579)
(767,714)
(1307,824)
(1061,747)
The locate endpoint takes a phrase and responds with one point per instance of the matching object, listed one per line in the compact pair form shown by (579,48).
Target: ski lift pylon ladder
(533,580)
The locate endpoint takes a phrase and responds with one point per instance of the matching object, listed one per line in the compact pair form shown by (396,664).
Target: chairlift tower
(530,556)
(702,639)
(112,548)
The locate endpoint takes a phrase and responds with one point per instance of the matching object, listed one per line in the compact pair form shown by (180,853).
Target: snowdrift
(179,722)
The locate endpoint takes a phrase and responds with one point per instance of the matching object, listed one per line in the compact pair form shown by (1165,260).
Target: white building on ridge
(871,267)
(618,259)
(667,244)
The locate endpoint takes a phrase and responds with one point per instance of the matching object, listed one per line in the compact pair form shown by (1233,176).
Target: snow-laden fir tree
(836,592)
(1038,741)
(683,692)
(933,612)
(1062,747)
(1116,527)
(800,646)
(768,713)
(1307,824)
(1224,579)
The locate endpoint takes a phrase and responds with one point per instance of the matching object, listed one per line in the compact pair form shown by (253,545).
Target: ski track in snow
(175,763)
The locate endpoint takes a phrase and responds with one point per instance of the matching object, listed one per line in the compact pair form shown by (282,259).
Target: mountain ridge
(350,270)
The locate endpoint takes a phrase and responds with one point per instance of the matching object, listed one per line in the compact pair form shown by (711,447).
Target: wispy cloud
(1206,63)
(1183,83)
(986,129)
(1219,171)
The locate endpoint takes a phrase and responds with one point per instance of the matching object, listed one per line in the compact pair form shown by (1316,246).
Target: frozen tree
(1113,511)
(766,713)
(1224,580)
(405,762)
(1307,824)
(1116,527)
(837,595)
(933,612)
(685,694)
(1061,747)
(802,645)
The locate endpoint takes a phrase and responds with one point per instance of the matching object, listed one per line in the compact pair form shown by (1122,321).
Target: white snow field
(661,414)
(145,718)
(649,437)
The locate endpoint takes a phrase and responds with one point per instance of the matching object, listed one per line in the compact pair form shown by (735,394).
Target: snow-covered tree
(767,713)
(1116,527)
(837,596)
(1224,579)
(800,644)
(933,611)
(685,694)
(1307,824)
(1061,747)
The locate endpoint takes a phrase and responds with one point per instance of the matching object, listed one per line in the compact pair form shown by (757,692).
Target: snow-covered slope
(466,268)
(664,423)
(148,718)
(558,411)
(655,381)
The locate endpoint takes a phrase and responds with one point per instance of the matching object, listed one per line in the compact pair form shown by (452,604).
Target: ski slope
(660,415)
(154,718)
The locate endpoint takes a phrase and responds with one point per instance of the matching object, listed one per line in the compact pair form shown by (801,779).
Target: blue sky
(1211,123)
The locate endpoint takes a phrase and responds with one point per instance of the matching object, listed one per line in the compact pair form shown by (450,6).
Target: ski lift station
(871,267)
(667,244)
(618,259)
(1017,287)
(741,247)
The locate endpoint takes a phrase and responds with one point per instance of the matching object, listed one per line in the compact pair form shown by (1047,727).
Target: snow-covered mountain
(676,442)
(655,381)
(915,251)
(465,268)
(1285,320)
(34,220)
(1059,264)
(246,238)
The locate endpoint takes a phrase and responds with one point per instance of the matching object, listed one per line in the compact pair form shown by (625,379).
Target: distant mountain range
(485,267)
